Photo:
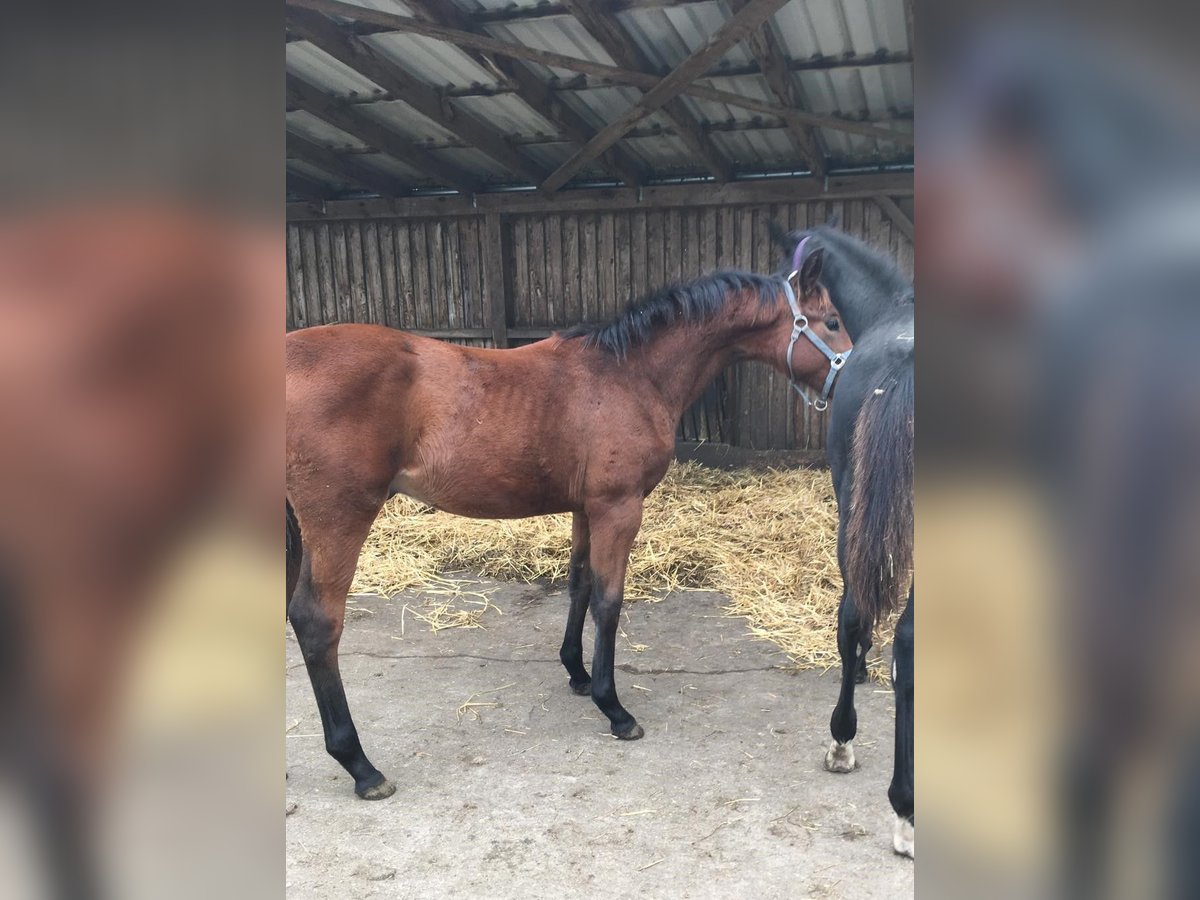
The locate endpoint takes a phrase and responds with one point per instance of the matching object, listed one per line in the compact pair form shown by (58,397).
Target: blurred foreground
(1058,258)
(141,276)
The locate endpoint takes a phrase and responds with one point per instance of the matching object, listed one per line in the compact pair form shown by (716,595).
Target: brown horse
(582,422)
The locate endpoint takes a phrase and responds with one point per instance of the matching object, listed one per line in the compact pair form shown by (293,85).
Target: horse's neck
(681,362)
(860,302)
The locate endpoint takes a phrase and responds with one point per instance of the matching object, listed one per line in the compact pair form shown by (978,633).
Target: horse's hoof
(582,688)
(840,757)
(630,734)
(904,836)
(380,791)
(860,677)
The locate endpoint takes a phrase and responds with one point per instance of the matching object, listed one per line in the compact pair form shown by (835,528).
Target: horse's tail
(295,550)
(879,535)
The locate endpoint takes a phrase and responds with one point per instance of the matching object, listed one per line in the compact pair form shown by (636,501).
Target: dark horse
(582,422)
(870,448)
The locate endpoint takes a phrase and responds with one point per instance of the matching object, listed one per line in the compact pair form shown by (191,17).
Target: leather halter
(800,327)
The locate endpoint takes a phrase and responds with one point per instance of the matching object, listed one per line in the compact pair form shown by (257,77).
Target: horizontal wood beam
(324,33)
(764,190)
(330,109)
(343,165)
(615,73)
(733,32)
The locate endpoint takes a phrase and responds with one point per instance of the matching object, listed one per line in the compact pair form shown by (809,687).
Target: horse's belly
(479,496)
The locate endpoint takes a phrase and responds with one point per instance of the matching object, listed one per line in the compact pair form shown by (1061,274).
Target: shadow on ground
(510,786)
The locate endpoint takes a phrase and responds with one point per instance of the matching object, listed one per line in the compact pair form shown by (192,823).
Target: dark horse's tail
(295,550)
(879,538)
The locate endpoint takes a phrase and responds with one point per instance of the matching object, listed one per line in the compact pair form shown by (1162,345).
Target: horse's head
(864,285)
(818,341)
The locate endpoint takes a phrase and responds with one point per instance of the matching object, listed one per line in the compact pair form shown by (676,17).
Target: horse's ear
(779,235)
(810,271)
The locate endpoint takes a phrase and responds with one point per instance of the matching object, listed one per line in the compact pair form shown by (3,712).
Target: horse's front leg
(901,791)
(614,525)
(579,586)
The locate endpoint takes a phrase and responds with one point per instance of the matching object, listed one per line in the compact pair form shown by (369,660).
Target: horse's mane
(690,301)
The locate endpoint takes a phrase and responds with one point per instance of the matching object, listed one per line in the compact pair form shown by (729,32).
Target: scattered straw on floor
(766,540)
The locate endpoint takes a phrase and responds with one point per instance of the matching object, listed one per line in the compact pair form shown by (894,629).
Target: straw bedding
(766,540)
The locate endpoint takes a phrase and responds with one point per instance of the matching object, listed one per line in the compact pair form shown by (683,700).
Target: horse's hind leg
(843,725)
(579,586)
(317,612)
(613,529)
(901,791)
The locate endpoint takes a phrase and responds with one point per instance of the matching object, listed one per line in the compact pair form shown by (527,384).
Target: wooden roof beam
(352,170)
(772,61)
(609,33)
(477,41)
(302,95)
(528,87)
(324,33)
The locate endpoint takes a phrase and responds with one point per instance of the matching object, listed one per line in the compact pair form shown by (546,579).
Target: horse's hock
(495,757)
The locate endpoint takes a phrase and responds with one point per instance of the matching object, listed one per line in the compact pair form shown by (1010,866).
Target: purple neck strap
(798,256)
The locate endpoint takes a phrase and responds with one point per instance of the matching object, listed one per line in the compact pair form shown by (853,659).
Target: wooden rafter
(347,167)
(732,32)
(772,61)
(400,85)
(616,74)
(611,35)
(529,88)
(302,95)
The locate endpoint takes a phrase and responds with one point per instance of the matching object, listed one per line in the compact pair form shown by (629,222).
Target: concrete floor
(725,796)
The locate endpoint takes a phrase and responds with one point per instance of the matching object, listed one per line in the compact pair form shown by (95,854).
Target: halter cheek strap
(800,327)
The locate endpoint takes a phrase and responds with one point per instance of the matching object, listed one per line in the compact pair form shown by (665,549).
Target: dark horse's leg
(317,611)
(901,790)
(843,725)
(579,586)
(613,528)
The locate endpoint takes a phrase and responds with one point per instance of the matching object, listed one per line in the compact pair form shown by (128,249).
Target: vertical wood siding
(562,268)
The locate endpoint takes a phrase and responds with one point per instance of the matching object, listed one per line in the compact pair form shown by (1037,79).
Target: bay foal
(582,422)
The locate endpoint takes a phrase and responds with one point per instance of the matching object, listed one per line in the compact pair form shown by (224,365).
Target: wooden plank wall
(561,268)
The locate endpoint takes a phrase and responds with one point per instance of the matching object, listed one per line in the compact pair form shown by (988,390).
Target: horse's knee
(317,631)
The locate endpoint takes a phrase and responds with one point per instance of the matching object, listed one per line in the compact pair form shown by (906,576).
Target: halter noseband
(800,327)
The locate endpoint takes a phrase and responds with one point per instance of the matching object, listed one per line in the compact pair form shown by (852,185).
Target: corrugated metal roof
(805,30)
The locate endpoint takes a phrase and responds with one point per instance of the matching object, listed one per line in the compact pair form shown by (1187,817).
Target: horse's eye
(832,324)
